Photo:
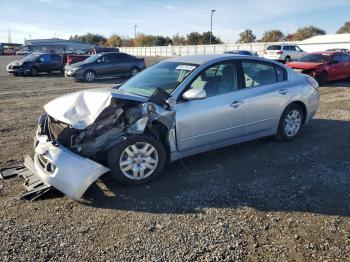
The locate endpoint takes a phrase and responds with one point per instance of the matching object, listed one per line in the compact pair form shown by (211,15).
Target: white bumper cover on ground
(72,174)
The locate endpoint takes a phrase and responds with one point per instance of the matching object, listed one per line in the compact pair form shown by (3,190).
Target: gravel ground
(256,201)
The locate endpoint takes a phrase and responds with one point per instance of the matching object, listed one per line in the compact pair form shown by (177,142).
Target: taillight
(279,52)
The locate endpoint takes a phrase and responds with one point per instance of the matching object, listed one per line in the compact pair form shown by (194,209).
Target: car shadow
(308,174)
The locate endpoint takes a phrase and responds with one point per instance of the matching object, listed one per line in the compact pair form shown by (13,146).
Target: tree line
(196,38)
(115,40)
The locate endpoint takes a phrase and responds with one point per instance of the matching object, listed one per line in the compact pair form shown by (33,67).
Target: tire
(134,71)
(34,71)
(290,124)
(89,76)
(322,78)
(123,155)
(287,59)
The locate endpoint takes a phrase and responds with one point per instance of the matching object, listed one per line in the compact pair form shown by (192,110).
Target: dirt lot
(262,201)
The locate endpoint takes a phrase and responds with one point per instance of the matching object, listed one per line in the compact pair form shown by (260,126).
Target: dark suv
(36,63)
(105,65)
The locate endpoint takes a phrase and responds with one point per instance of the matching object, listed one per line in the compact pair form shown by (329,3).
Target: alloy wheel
(90,76)
(292,123)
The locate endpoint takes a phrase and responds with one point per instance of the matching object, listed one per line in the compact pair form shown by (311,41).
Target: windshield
(274,47)
(315,58)
(165,75)
(92,58)
(30,58)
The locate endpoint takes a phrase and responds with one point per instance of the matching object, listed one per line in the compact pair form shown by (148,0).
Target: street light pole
(211,25)
(135,26)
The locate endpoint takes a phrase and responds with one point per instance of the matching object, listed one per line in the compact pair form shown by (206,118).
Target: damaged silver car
(176,108)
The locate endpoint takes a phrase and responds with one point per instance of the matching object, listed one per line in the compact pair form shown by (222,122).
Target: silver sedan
(176,108)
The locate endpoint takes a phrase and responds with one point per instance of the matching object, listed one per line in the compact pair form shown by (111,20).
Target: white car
(284,52)
(23,52)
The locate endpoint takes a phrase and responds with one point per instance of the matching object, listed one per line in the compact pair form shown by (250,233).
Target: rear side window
(336,58)
(121,58)
(345,58)
(286,48)
(274,47)
(292,48)
(56,58)
(259,74)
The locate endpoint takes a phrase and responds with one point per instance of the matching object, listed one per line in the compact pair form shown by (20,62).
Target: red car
(324,66)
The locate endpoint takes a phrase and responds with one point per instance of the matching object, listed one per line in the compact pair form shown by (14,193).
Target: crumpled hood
(16,63)
(80,109)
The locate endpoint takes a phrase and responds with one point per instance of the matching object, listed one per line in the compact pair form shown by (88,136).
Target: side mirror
(335,62)
(194,94)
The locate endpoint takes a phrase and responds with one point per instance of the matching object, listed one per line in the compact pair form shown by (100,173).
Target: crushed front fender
(64,170)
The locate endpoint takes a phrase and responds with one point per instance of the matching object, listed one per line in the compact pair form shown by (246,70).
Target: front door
(219,118)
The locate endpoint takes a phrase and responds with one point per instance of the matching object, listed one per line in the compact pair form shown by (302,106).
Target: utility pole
(211,25)
(135,33)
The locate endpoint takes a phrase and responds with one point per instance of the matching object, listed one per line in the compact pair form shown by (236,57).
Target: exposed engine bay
(78,129)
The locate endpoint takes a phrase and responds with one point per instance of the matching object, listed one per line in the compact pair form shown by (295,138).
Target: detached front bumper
(21,70)
(64,170)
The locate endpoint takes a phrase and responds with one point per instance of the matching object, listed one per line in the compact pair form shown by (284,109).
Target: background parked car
(284,52)
(36,63)
(23,52)
(339,50)
(105,65)
(241,52)
(324,66)
(71,59)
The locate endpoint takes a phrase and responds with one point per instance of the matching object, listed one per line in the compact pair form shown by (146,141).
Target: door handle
(236,104)
(284,91)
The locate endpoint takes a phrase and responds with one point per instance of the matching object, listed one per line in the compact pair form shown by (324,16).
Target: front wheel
(136,160)
(290,123)
(34,71)
(89,76)
(322,78)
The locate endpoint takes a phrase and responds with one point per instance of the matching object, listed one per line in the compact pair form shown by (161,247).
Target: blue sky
(47,18)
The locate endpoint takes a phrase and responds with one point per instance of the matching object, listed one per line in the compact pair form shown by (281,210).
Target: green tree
(307,32)
(114,40)
(246,36)
(161,41)
(194,38)
(206,39)
(144,40)
(179,40)
(344,29)
(272,36)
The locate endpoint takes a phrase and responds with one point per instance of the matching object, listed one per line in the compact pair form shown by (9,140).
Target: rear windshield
(315,58)
(274,47)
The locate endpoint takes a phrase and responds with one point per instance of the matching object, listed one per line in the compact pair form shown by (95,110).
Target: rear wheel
(134,71)
(89,76)
(287,59)
(137,160)
(290,123)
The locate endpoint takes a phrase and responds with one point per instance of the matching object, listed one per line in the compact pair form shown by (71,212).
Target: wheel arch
(302,106)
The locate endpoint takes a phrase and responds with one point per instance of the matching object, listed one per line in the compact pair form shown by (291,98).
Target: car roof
(204,59)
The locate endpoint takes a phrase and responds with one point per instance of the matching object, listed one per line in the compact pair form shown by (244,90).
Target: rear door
(266,92)
(124,63)
(56,63)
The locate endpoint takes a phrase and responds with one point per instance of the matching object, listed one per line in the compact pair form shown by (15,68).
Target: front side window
(287,48)
(336,58)
(257,74)
(217,80)
(104,59)
(164,75)
(44,58)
